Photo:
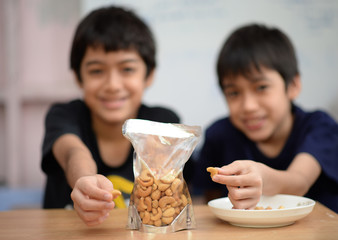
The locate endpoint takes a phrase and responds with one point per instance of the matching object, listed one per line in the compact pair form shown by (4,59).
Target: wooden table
(321,223)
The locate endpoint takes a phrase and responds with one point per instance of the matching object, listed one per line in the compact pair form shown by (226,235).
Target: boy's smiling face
(260,106)
(113,84)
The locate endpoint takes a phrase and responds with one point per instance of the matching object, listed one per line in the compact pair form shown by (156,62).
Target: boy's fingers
(248,203)
(87,204)
(234,168)
(235,180)
(226,180)
(95,192)
(107,185)
(239,193)
(91,218)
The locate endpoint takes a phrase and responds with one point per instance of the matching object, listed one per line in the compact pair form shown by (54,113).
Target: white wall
(189,34)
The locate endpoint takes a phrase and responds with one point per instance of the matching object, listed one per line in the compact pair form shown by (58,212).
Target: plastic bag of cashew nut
(160,201)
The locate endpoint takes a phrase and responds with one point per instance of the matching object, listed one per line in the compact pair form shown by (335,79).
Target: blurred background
(35,38)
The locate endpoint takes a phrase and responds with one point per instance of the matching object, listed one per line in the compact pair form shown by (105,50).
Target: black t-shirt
(74,117)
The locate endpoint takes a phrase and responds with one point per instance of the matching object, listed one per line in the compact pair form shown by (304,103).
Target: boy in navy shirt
(267,145)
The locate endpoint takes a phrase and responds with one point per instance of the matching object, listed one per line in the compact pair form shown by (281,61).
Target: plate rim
(233,216)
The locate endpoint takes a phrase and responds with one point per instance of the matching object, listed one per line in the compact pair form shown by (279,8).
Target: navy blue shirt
(74,117)
(315,133)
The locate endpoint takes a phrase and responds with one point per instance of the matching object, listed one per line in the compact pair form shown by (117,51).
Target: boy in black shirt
(85,155)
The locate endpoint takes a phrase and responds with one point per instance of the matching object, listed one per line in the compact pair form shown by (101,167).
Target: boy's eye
(128,69)
(95,71)
(262,87)
(231,94)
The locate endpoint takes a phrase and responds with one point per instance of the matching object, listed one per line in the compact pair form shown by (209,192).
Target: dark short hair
(113,28)
(254,46)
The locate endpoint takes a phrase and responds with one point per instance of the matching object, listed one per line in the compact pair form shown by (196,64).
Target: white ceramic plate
(295,208)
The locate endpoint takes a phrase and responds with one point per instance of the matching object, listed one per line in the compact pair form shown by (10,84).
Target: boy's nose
(249,102)
(113,81)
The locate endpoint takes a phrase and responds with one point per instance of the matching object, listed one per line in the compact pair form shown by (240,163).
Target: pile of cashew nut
(160,200)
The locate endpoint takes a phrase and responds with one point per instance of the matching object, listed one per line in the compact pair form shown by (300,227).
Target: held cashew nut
(213,171)
(115,193)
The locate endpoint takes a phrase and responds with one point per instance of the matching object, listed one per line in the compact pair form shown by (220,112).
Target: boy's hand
(244,182)
(93,198)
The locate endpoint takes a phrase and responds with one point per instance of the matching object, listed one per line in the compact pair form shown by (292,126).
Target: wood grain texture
(322,223)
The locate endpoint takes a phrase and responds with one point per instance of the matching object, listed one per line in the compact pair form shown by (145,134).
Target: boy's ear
(294,87)
(150,78)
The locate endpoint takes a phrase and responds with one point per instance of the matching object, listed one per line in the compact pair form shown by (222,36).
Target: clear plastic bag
(160,201)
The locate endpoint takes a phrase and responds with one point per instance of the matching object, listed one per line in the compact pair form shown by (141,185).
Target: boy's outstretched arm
(247,180)
(91,192)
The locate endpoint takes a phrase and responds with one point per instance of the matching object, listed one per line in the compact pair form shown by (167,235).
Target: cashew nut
(158,223)
(144,193)
(164,201)
(141,215)
(154,187)
(213,171)
(175,184)
(168,192)
(141,206)
(115,193)
(163,186)
(169,178)
(154,203)
(150,222)
(145,183)
(145,175)
(146,218)
(169,212)
(184,200)
(167,220)
(157,216)
(155,195)
(154,211)
(147,202)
